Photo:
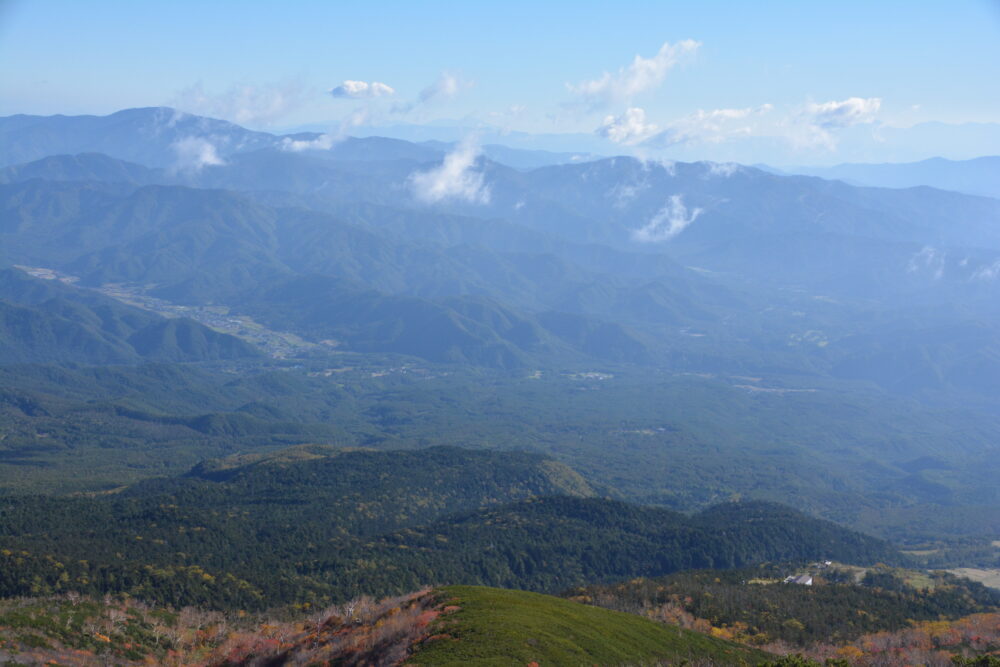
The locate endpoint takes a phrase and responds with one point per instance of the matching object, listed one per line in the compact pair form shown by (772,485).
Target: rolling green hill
(501,627)
(547,544)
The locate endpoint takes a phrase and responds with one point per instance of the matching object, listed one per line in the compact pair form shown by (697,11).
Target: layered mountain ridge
(758,291)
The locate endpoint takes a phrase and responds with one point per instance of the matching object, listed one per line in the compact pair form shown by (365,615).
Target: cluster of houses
(807,579)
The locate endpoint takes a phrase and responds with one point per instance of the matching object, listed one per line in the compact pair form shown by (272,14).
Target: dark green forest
(702,440)
(838,608)
(318,526)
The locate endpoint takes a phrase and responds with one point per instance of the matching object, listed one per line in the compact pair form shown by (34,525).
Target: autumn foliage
(71,630)
(360,632)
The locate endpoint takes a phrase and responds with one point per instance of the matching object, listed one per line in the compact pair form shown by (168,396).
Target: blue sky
(727,72)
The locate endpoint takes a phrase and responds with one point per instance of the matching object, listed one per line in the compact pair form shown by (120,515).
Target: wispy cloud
(623,193)
(928,259)
(504,120)
(630,128)
(811,125)
(713,126)
(626,189)
(816,124)
(445,87)
(834,114)
(254,105)
(641,75)
(325,142)
(988,273)
(723,169)
(194,154)
(456,178)
(669,221)
(361,90)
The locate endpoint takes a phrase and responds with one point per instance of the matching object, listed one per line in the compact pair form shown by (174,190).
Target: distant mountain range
(861,143)
(612,259)
(287,256)
(167,138)
(979,176)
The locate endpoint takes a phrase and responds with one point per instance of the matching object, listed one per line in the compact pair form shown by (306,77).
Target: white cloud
(626,190)
(623,193)
(714,126)
(816,123)
(852,111)
(928,259)
(354,119)
(641,75)
(455,178)
(243,104)
(511,111)
(670,221)
(630,128)
(195,153)
(723,169)
(668,166)
(445,87)
(359,90)
(811,125)
(504,120)
(323,142)
(989,272)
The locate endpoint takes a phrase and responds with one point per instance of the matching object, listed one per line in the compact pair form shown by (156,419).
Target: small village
(807,578)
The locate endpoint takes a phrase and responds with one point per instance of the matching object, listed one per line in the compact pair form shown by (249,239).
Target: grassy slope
(987,577)
(503,627)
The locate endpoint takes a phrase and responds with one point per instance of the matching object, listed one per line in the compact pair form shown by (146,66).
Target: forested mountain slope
(680,332)
(46,321)
(317,524)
